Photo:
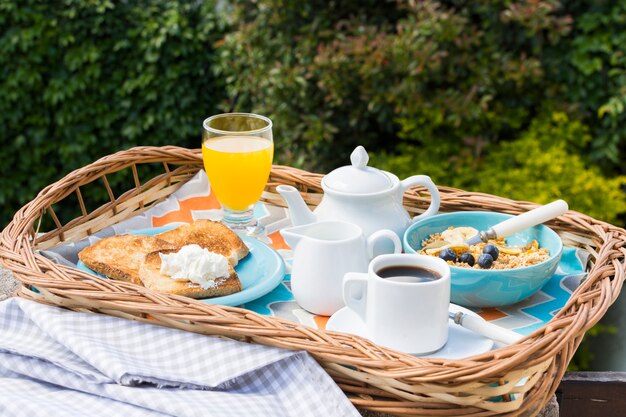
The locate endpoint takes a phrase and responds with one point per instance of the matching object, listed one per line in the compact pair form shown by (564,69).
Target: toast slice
(119,257)
(211,235)
(150,273)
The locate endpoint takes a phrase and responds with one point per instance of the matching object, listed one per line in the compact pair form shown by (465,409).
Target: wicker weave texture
(516,380)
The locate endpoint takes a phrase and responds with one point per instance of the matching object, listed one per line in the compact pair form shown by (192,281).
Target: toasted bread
(211,235)
(153,279)
(119,257)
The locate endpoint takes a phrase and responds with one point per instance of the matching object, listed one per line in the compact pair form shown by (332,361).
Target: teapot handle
(424,181)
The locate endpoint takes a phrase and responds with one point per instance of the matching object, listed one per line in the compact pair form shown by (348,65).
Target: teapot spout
(298,211)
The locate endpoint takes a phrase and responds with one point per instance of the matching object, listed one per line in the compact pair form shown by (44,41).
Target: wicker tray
(515,380)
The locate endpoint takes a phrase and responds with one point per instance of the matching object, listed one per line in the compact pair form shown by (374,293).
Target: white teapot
(362,195)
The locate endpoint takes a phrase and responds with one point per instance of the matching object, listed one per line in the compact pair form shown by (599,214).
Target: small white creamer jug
(323,253)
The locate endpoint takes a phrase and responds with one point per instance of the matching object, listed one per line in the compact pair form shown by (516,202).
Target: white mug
(411,317)
(323,253)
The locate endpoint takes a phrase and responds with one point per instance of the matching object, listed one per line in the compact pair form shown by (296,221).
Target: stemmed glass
(237,150)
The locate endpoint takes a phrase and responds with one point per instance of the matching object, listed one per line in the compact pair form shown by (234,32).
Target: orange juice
(238,168)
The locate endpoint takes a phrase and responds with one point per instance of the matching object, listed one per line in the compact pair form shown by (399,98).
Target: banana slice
(457,247)
(435,251)
(436,244)
(458,234)
(509,250)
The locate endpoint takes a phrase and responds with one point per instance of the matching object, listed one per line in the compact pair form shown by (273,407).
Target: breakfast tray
(515,380)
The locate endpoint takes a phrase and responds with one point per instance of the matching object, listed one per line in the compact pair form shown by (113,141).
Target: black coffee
(408,273)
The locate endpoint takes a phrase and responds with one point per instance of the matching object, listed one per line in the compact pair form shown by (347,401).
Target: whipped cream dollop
(195,264)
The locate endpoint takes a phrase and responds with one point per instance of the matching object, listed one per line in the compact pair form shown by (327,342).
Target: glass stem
(240,218)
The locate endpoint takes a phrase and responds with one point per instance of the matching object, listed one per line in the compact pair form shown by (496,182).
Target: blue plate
(259,272)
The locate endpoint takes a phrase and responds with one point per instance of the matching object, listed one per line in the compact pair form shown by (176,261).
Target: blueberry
(467,258)
(485,261)
(447,254)
(491,250)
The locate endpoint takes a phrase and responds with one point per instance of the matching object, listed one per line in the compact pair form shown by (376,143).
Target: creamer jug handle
(424,181)
(381,235)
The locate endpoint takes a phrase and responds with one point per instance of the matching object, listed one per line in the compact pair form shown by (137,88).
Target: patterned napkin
(59,362)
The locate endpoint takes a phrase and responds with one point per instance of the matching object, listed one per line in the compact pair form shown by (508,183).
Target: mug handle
(356,283)
(425,181)
(383,234)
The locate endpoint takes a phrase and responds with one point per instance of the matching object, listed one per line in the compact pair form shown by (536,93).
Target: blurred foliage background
(520,98)
(525,99)
(80,79)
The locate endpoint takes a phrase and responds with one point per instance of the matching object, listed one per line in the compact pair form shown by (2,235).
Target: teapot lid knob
(359,157)
(358,178)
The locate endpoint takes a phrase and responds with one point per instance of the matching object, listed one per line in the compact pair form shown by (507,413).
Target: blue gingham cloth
(58,362)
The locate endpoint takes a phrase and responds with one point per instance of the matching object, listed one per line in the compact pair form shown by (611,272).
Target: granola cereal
(450,245)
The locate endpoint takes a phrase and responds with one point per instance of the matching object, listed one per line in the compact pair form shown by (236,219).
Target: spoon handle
(531,218)
(483,327)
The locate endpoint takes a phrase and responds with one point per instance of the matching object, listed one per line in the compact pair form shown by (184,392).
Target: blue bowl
(490,287)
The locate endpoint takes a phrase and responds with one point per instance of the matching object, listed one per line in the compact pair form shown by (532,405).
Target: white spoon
(484,328)
(523,221)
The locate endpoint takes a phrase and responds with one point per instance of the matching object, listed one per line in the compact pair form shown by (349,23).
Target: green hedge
(524,99)
(82,79)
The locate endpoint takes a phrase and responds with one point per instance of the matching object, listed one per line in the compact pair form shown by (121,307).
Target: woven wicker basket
(516,380)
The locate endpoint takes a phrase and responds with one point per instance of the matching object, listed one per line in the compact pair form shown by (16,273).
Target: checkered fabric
(59,362)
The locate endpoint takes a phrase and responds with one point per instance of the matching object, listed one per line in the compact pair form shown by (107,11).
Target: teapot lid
(358,178)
